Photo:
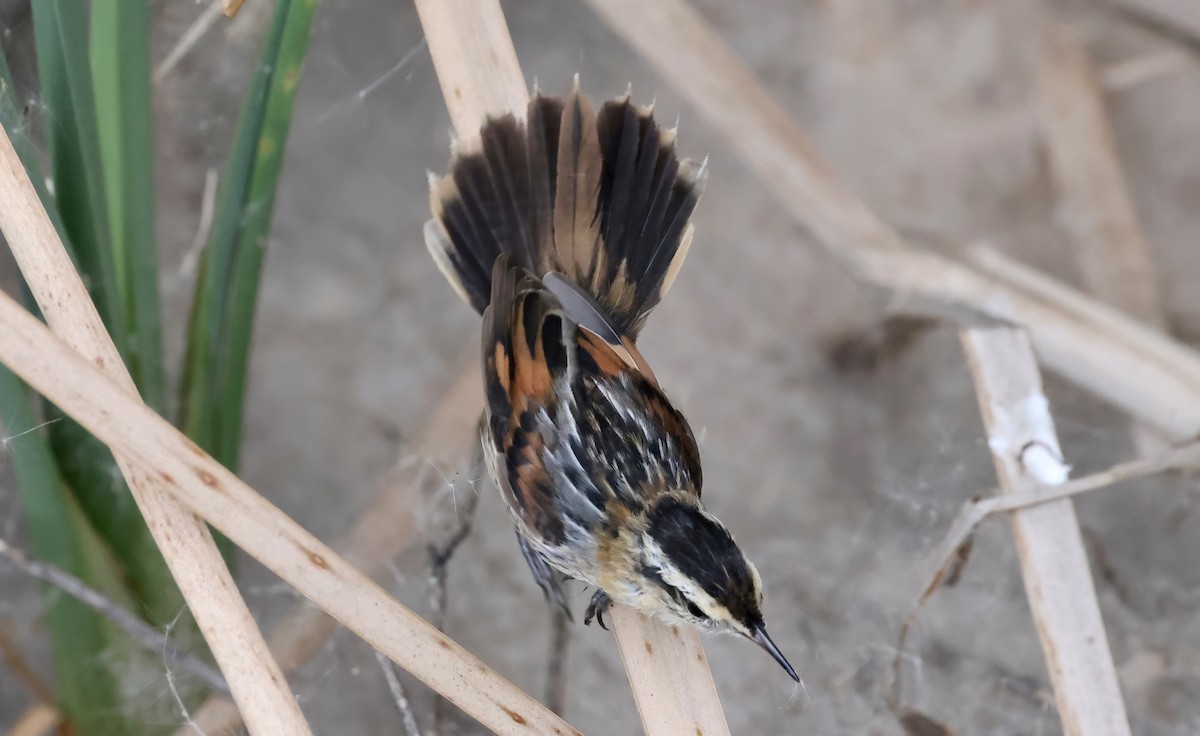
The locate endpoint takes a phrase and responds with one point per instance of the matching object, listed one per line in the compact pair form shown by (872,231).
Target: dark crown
(702,549)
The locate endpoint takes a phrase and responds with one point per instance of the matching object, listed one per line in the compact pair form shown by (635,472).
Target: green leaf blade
(120,60)
(227,292)
(80,638)
(256,223)
(61,37)
(81,206)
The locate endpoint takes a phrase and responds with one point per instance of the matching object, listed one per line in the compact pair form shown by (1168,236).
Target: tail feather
(577,195)
(600,198)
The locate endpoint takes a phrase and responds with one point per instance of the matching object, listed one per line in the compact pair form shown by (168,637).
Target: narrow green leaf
(226,293)
(82,644)
(120,55)
(256,225)
(61,37)
(85,464)
(14,123)
(91,472)
(200,370)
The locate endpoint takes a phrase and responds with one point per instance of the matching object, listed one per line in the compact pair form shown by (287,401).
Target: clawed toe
(596,609)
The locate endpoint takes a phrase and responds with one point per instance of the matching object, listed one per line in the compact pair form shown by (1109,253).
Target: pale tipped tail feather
(599,197)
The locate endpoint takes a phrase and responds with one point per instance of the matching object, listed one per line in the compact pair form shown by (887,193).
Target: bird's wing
(523,353)
(573,421)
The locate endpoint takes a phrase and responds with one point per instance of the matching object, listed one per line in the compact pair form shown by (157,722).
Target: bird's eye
(695,611)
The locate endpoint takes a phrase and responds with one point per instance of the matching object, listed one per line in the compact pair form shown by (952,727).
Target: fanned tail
(600,198)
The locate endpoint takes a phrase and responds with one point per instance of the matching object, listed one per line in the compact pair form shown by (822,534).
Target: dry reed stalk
(1095,206)
(1054,563)
(37,720)
(478,71)
(231,7)
(130,428)
(974,512)
(689,53)
(475,62)
(149,637)
(1136,70)
(385,529)
(479,75)
(1180,16)
(20,668)
(668,671)
(196,31)
(1145,373)
(186,544)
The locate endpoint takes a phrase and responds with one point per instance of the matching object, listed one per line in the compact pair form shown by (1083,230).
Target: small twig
(1140,371)
(1050,548)
(1177,22)
(196,31)
(138,630)
(38,720)
(204,226)
(1127,73)
(398,697)
(1041,485)
(668,672)
(440,552)
(20,667)
(185,541)
(384,529)
(117,418)
(974,512)
(556,662)
(231,7)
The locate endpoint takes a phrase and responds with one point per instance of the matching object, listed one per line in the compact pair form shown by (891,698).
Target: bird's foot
(596,609)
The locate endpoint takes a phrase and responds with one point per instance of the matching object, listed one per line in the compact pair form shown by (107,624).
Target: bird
(564,229)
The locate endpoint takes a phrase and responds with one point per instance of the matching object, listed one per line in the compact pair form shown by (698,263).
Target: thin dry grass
(185,542)
(1054,564)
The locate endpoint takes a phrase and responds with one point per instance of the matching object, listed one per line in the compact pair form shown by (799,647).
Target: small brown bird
(564,230)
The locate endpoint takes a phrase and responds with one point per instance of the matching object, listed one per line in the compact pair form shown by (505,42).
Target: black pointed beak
(760,637)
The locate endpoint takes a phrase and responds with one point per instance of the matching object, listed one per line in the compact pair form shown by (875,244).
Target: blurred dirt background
(837,471)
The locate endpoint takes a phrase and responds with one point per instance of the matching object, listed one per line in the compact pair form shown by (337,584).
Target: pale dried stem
(263,531)
(208,206)
(475,62)
(1095,206)
(38,720)
(231,7)
(479,74)
(440,552)
(1143,372)
(20,667)
(950,552)
(668,672)
(975,511)
(1181,17)
(1053,560)
(196,31)
(399,697)
(382,531)
(185,542)
(1137,70)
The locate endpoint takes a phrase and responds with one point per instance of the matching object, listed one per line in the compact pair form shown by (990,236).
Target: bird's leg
(547,578)
(597,608)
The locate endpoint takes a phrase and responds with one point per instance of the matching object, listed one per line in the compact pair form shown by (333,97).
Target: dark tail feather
(599,197)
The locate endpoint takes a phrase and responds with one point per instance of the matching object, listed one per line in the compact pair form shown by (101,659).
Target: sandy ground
(837,482)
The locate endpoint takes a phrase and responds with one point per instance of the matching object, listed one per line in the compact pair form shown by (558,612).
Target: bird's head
(697,574)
